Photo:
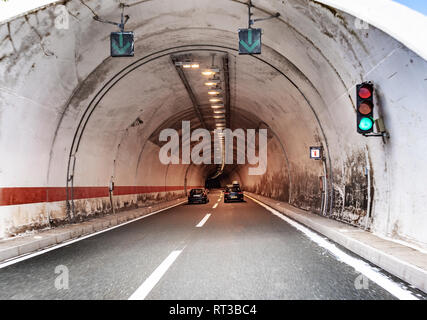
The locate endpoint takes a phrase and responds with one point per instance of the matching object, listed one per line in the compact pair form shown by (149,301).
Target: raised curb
(13,248)
(413,269)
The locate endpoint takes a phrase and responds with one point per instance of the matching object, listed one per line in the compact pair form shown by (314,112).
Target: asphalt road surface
(240,251)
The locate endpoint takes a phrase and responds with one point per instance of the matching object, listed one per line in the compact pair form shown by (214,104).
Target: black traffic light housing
(365,107)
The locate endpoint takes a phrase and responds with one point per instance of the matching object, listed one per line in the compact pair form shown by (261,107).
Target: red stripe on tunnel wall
(122,190)
(25,195)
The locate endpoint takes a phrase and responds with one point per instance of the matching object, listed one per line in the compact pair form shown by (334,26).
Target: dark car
(233,193)
(198,195)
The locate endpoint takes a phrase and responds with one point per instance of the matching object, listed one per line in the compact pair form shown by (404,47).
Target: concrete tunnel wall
(302,87)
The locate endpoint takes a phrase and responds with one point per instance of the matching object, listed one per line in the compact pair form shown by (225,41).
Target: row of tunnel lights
(214,84)
(216,99)
(217,105)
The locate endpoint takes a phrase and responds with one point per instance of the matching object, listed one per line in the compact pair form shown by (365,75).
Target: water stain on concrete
(351,190)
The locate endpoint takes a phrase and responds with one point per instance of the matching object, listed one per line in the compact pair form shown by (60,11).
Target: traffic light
(365,107)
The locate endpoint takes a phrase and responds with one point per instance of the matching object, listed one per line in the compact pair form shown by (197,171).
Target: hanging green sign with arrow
(122,44)
(250,41)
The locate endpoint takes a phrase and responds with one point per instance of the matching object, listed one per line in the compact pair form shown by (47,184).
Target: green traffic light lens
(366,124)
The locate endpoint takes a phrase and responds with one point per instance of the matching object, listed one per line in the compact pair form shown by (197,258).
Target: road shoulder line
(24,248)
(301,223)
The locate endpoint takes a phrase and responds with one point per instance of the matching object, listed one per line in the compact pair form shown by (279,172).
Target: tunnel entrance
(207,80)
(91,124)
(100,124)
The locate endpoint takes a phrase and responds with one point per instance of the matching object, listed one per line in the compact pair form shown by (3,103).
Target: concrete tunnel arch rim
(70,178)
(343,7)
(71,155)
(232,49)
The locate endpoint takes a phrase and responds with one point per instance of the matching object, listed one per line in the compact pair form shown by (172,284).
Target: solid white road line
(358,264)
(155,277)
(202,222)
(31,255)
(215,205)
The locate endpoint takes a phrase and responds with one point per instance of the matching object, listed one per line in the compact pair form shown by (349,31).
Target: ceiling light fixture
(188,64)
(212,82)
(210,72)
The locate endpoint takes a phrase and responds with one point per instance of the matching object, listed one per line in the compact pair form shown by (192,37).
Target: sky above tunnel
(417,5)
(11,8)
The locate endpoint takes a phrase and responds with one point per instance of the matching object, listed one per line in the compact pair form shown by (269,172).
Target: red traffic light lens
(364,93)
(365,108)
